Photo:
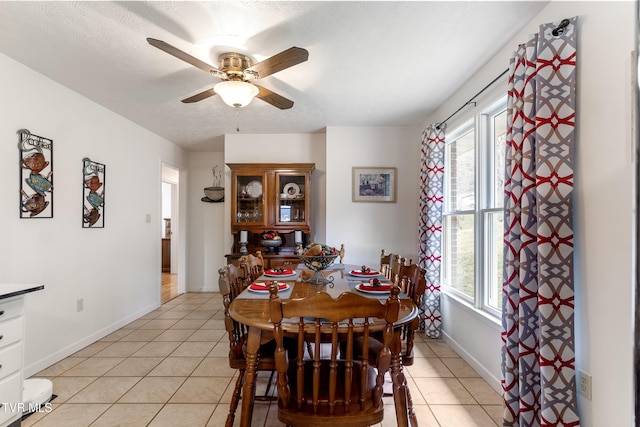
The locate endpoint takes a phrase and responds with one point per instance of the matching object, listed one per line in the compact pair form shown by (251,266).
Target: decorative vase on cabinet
(270,196)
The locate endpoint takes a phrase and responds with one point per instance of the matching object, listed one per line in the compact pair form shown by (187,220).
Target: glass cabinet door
(249,206)
(292,201)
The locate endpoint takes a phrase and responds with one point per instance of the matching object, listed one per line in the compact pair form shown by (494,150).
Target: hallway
(169,287)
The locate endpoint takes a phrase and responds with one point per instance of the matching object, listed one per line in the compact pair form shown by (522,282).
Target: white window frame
(485,202)
(460,131)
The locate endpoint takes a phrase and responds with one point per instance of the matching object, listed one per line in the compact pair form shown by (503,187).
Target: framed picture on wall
(374,184)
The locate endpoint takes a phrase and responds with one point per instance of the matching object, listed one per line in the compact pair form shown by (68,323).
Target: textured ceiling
(370,63)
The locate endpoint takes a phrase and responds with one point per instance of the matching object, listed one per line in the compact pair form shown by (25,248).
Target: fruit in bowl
(271,235)
(271,240)
(319,249)
(318,256)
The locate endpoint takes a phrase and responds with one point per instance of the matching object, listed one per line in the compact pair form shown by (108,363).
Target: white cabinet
(11,349)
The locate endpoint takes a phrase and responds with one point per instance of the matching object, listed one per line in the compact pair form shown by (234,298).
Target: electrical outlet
(584,384)
(80,305)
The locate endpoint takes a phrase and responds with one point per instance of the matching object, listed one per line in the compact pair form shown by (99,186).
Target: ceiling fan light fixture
(236,93)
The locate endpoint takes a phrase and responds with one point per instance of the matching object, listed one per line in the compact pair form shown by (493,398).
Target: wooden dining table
(252,309)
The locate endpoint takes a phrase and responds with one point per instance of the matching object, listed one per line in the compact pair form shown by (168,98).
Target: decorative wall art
(36,175)
(374,184)
(215,193)
(92,194)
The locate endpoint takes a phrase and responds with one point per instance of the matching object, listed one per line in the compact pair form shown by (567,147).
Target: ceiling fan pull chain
(237,119)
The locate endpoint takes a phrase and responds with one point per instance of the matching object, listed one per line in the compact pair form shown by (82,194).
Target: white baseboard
(53,358)
(494,382)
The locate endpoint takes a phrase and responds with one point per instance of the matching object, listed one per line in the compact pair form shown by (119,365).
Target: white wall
(116,269)
(603,210)
(206,223)
(367,228)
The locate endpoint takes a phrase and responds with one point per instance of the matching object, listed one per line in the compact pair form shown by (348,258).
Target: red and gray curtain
(430,226)
(538,354)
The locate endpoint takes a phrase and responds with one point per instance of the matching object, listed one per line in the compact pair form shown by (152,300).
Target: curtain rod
(556,32)
(439,125)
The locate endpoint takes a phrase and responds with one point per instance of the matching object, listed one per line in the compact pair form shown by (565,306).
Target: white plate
(291,190)
(266,291)
(254,189)
(368,291)
(353,273)
(279,275)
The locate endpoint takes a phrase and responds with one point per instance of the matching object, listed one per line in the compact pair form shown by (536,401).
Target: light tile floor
(169,368)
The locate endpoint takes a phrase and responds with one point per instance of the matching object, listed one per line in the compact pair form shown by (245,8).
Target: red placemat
(368,273)
(374,290)
(286,271)
(380,288)
(264,286)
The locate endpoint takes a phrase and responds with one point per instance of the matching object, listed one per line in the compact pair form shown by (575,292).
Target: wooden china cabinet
(270,197)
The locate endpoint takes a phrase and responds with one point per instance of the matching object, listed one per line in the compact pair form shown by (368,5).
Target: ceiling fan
(238,74)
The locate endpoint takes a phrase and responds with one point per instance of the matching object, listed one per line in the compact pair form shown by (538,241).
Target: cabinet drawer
(10,360)
(10,396)
(11,331)
(11,307)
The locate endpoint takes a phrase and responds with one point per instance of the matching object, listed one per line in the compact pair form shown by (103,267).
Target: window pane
(459,268)
(499,138)
(495,232)
(460,175)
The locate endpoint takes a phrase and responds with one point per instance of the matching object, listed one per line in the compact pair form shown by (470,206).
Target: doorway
(169,235)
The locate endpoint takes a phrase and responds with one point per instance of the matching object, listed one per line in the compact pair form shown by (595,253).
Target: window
(459,220)
(472,216)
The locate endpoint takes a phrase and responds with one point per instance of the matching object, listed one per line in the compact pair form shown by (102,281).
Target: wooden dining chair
(398,263)
(337,388)
(386,263)
(341,253)
(253,265)
(413,283)
(232,281)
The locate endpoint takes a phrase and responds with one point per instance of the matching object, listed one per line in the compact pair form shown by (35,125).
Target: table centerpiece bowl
(271,240)
(318,257)
(271,245)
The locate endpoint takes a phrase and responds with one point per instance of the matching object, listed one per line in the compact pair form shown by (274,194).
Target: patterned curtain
(538,354)
(430,225)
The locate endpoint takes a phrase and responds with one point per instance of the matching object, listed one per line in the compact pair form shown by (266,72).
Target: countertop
(8,290)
